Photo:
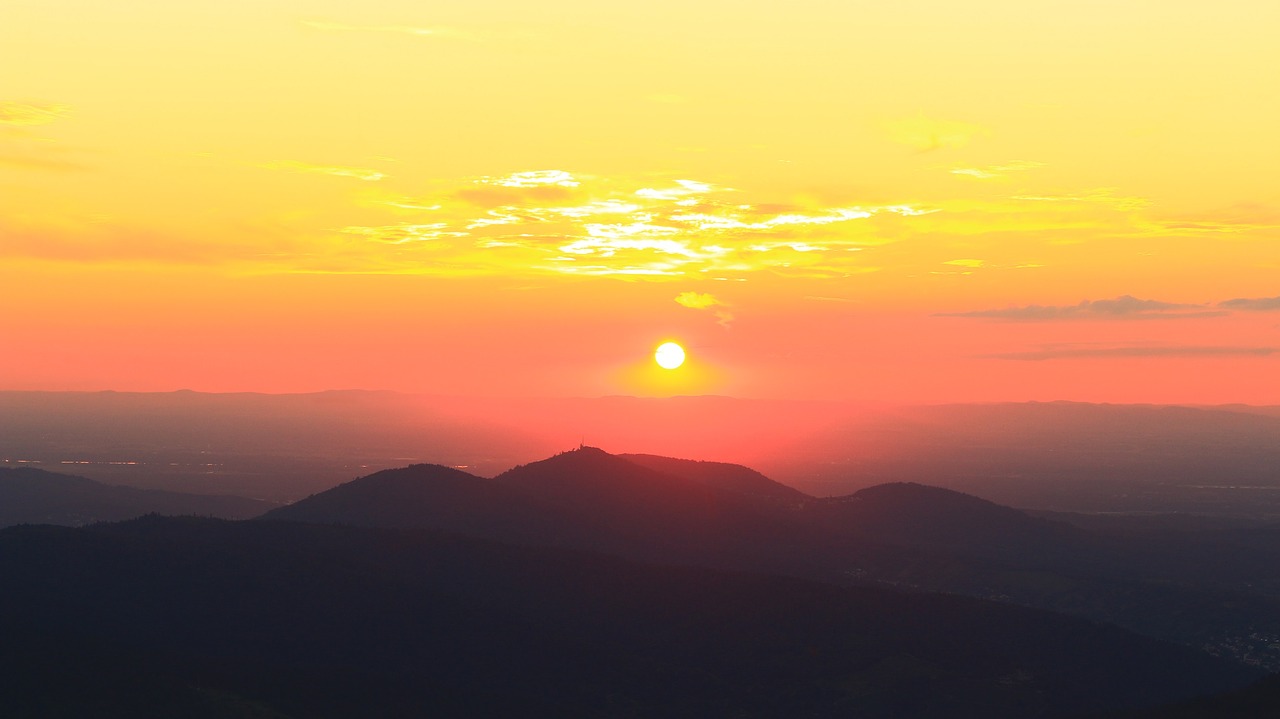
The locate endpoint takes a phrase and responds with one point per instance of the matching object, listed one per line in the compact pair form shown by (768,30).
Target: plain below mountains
(34,496)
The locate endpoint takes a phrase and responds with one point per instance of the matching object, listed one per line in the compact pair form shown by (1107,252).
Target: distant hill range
(900,534)
(1061,456)
(34,496)
(658,508)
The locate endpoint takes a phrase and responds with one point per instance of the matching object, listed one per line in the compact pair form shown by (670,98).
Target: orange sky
(918,201)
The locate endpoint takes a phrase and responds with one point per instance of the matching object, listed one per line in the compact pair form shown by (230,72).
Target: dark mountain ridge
(907,512)
(585,498)
(902,534)
(724,477)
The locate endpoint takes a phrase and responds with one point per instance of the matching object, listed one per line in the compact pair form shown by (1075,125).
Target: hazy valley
(589,583)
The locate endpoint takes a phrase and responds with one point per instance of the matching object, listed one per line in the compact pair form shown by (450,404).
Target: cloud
(404,233)
(1186,351)
(1098,196)
(1124,307)
(23,113)
(1237,218)
(928,134)
(1253,304)
(404,202)
(705,301)
(991,172)
(681,193)
(590,227)
(528,223)
(539,187)
(358,173)
(697,300)
(534,178)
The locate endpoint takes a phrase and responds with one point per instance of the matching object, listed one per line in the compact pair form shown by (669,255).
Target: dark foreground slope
(1258,701)
(34,496)
(196,617)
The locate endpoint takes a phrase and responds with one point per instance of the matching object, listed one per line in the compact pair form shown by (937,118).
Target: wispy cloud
(358,173)
(1124,307)
(1098,196)
(991,172)
(27,113)
(706,301)
(681,193)
(534,178)
(403,202)
(534,188)
(404,233)
(1253,304)
(1155,351)
(1234,219)
(555,221)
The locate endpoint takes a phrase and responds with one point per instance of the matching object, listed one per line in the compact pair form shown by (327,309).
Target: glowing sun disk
(669,355)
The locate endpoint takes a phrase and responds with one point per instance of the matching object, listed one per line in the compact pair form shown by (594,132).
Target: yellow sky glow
(815,192)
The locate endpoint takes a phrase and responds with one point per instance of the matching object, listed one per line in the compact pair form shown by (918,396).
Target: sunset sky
(922,201)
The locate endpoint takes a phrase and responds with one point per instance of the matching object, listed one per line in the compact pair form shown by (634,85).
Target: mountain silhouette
(585,499)
(917,514)
(724,477)
(420,495)
(660,508)
(34,496)
(906,535)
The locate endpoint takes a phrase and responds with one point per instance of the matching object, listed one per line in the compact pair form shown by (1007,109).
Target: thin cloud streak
(1252,304)
(992,172)
(25,114)
(358,173)
(1123,307)
(1189,351)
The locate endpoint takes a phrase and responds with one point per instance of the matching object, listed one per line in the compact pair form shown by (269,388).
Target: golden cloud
(358,173)
(23,113)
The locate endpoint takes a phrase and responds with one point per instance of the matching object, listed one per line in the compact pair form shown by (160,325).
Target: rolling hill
(34,496)
(1189,588)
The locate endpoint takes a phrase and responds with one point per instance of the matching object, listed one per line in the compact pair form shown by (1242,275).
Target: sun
(669,355)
